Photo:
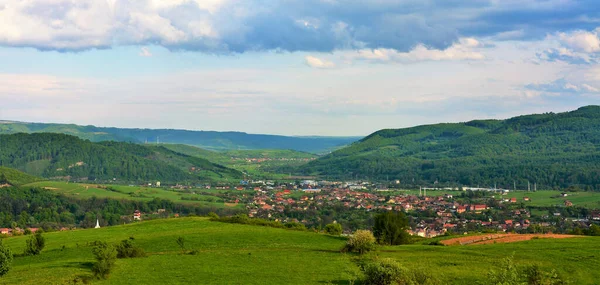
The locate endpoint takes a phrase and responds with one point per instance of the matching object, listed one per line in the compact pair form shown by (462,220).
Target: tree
(106,256)
(6,258)
(35,244)
(333,229)
(361,241)
(390,228)
(3,179)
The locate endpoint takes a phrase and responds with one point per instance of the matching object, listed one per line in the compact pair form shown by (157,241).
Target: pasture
(85,191)
(236,254)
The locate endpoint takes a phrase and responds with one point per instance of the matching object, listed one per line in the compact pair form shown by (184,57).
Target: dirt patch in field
(500,238)
(231,204)
(50,188)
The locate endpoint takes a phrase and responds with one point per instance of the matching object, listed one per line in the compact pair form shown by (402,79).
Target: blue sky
(294,67)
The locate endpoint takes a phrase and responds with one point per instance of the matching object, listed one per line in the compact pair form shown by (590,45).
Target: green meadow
(85,191)
(244,254)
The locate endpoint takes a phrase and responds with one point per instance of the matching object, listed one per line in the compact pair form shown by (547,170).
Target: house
(5,231)
(564,194)
(461,209)
(479,207)
(526,199)
(137,215)
(513,200)
(568,203)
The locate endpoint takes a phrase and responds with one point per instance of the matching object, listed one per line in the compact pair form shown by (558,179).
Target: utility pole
(514,185)
(528,186)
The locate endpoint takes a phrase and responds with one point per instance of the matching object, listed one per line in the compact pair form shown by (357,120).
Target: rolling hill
(244,254)
(15,177)
(205,139)
(551,150)
(62,156)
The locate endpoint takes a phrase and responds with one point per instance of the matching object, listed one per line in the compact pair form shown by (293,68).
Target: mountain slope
(15,177)
(204,139)
(57,155)
(552,150)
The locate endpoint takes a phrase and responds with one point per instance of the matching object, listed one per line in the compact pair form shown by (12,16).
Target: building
(137,215)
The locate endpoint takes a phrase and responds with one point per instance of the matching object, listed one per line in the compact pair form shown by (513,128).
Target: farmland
(233,253)
(85,191)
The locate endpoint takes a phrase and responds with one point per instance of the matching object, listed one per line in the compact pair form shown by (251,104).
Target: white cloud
(145,52)
(317,62)
(581,41)
(465,49)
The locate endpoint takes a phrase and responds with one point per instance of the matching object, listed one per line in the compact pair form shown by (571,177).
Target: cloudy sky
(295,67)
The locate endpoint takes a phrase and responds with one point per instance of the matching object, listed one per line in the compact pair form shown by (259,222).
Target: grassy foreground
(243,254)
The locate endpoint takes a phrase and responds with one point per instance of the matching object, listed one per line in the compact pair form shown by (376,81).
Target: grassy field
(542,198)
(84,191)
(243,254)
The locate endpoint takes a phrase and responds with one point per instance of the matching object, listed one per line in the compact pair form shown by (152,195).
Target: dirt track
(499,238)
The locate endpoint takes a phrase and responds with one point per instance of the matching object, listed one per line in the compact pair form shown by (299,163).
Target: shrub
(213,216)
(181,242)
(536,276)
(507,273)
(35,244)
(295,226)
(361,241)
(106,256)
(126,249)
(334,229)
(6,258)
(384,272)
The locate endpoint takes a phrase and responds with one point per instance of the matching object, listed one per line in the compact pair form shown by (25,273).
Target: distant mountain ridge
(60,156)
(211,140)
(551,150)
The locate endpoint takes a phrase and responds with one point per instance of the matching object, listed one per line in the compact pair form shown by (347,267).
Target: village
(432,211)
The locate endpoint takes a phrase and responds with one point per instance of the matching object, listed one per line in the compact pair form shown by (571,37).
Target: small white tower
(97,224)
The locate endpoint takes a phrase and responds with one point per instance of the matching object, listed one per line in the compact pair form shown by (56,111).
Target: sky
(295,67)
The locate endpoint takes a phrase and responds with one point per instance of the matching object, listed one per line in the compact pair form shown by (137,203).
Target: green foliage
(384,272)
(362,241)
(244,219)
(552,150)
(106,256)
(127,249)
(35,244)
(390,228)
(57,155)
(295,226)
(506,273)
(15,177)
(333,229)
(536,276)
(180,242)
(6,258)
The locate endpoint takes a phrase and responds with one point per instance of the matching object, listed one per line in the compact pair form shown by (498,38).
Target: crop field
(235,254)
(84,191)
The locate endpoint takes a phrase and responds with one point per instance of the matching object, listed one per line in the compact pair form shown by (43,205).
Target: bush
(181,243)
(536,276)
(334,229)
(106,256)
(126,249)
(507,274)
(213,216)
(6,258)
(35,244)
(387,271)
(361,241)
(295,226)
(384,272)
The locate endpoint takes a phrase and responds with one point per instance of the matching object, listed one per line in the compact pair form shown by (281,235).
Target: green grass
(16,177)
(545,198)
(85,191)
(236,254)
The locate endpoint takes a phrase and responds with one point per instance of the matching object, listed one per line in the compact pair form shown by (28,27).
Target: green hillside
(63,156)
(205,139)
(260,164)
(552,150)
(243,254)
(15,177)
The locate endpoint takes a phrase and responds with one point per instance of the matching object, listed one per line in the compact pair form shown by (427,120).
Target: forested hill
(59,156)
(552,150)
(204,139)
